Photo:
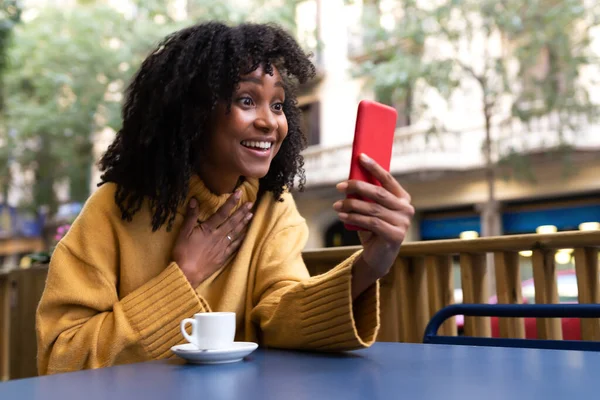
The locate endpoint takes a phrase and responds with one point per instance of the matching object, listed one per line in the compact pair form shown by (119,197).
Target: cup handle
(184,332)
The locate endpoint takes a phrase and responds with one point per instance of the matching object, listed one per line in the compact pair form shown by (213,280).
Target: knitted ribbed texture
(328,317)
(157,307)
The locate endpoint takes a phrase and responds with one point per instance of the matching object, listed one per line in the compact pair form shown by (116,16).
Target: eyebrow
(259,82)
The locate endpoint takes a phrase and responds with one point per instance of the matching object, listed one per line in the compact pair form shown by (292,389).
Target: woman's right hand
(202,249)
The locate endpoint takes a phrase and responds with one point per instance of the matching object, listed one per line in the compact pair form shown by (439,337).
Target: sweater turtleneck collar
(209,202)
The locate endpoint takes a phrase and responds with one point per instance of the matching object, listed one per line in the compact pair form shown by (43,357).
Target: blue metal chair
(513,311)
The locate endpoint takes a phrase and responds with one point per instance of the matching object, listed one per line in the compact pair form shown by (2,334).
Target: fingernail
(365,158)
(249,216)
(249,206)
(342,215)
(342,186)
(193,203)
(337,205)
(237,194)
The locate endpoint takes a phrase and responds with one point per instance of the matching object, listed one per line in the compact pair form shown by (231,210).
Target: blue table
(385,371)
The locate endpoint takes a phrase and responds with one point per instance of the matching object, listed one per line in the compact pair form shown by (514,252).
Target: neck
(218,182)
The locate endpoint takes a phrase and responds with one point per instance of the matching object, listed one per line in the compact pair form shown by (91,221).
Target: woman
(194,215)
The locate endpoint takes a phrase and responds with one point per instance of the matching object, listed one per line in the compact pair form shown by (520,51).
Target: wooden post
(475,291)
(441,289)
(4,326)
(412,297)
(546,292)
(508,288)
(586,267)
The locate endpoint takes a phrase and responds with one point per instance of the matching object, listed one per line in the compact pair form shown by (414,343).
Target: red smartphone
(374,136)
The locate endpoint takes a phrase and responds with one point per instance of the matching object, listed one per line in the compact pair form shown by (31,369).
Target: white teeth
(258,145)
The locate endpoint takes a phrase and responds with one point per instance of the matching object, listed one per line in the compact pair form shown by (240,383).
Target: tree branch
(464,67)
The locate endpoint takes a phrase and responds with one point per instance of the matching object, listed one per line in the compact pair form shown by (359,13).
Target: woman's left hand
(386,219)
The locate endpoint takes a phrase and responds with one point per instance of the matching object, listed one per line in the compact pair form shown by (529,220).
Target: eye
(246,101)
(278,107)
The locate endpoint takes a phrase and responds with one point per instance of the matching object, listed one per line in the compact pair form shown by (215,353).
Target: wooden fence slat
(412,298)
(396,295)
(29,288)
(390,323)
(441,289)
(508,288)
(4,326)
(474,279)
(546,292)
(587,270)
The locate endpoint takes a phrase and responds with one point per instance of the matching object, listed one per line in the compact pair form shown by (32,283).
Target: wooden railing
(421,281)
(4,325)
(20,293)
(18,245)
(419,284)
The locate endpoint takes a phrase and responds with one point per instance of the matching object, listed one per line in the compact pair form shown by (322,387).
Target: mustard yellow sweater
(115,296)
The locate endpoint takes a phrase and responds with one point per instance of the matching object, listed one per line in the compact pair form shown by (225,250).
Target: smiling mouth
(254,145)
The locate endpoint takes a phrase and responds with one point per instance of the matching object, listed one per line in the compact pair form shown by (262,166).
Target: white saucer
(234,353)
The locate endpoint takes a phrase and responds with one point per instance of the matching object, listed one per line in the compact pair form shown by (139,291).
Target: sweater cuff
(157,308)
(330,320)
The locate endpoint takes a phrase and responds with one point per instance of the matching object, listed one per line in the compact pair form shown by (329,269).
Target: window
(310,123)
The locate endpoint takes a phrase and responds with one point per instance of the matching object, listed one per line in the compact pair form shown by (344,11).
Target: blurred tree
(10,15)
(524,59)
(237,11)
(68,69)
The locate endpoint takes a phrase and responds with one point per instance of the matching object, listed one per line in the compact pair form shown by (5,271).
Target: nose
(265,120)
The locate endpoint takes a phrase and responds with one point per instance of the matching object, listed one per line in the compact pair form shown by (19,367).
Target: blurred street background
(498,130)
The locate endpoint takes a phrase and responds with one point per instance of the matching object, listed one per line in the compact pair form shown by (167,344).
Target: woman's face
(244,141)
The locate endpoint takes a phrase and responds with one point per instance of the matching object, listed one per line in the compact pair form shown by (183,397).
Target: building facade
(444,174)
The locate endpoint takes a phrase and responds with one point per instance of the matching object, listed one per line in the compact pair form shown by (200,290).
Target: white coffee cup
(210,330)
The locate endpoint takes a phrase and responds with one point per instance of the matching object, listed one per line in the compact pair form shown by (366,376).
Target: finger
(358,206)
(242,226)
(238,219)
(378,194)
(234,234)
(381,228)
(218,218)
(384,177)
(191,216)
(235,245)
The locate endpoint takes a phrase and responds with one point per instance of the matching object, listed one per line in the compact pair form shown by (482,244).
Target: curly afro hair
(169,103)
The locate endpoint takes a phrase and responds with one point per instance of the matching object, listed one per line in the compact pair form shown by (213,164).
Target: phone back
(374,136)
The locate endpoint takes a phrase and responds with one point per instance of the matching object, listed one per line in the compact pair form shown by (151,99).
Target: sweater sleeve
(82,322)
(297,311)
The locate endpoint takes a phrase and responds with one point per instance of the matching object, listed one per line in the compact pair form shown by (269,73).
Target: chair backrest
(513,311)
